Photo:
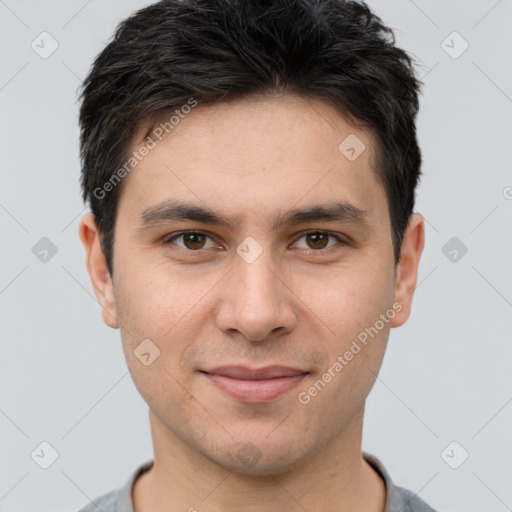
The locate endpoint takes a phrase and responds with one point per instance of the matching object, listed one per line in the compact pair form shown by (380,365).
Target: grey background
(446,375)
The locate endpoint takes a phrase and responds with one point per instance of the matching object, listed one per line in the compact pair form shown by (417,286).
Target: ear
(97,268)
(407,268)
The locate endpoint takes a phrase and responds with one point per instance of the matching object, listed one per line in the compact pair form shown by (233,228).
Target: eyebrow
(176,210)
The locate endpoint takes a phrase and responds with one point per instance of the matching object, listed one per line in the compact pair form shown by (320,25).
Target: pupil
(316,235)
(192,236)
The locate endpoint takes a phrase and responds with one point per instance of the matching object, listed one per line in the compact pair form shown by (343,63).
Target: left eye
(320,239)
(195,240)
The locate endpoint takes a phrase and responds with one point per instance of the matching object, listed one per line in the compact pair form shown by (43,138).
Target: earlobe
(407,268)
(97,269)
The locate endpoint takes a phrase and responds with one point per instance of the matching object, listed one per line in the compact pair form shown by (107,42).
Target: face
(254,285)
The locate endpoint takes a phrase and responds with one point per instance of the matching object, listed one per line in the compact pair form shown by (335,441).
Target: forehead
(256,157)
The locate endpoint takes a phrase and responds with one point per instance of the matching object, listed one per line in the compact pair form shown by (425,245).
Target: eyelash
(168,241)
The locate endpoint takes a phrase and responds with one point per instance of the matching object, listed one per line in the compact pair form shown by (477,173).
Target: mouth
(255,385)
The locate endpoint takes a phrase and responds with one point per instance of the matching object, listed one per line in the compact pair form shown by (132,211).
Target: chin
(258,457)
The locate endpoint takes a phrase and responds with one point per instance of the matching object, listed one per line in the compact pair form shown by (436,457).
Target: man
(251,169)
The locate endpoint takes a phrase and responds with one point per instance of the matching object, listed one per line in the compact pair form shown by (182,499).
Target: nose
(255,301)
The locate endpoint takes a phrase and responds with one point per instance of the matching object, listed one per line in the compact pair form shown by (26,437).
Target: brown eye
(192,240)
(318,240)
(195,240)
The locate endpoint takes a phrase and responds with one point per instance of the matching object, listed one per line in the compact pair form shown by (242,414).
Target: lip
(255,385)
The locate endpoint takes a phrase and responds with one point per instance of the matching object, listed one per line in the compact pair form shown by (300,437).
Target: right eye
(194,240)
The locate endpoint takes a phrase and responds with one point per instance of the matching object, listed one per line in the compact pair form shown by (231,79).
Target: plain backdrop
(445,388)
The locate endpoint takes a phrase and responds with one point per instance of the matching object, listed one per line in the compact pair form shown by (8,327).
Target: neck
(335,478)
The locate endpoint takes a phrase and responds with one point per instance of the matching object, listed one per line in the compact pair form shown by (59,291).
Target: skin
(298,304)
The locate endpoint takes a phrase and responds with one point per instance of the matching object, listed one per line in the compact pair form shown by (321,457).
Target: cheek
(355,334)
(350,299)
(153,301)
(170,312)
(154,321)
(356,349)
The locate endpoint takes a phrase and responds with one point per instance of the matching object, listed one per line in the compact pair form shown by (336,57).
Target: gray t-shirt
(398,499)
